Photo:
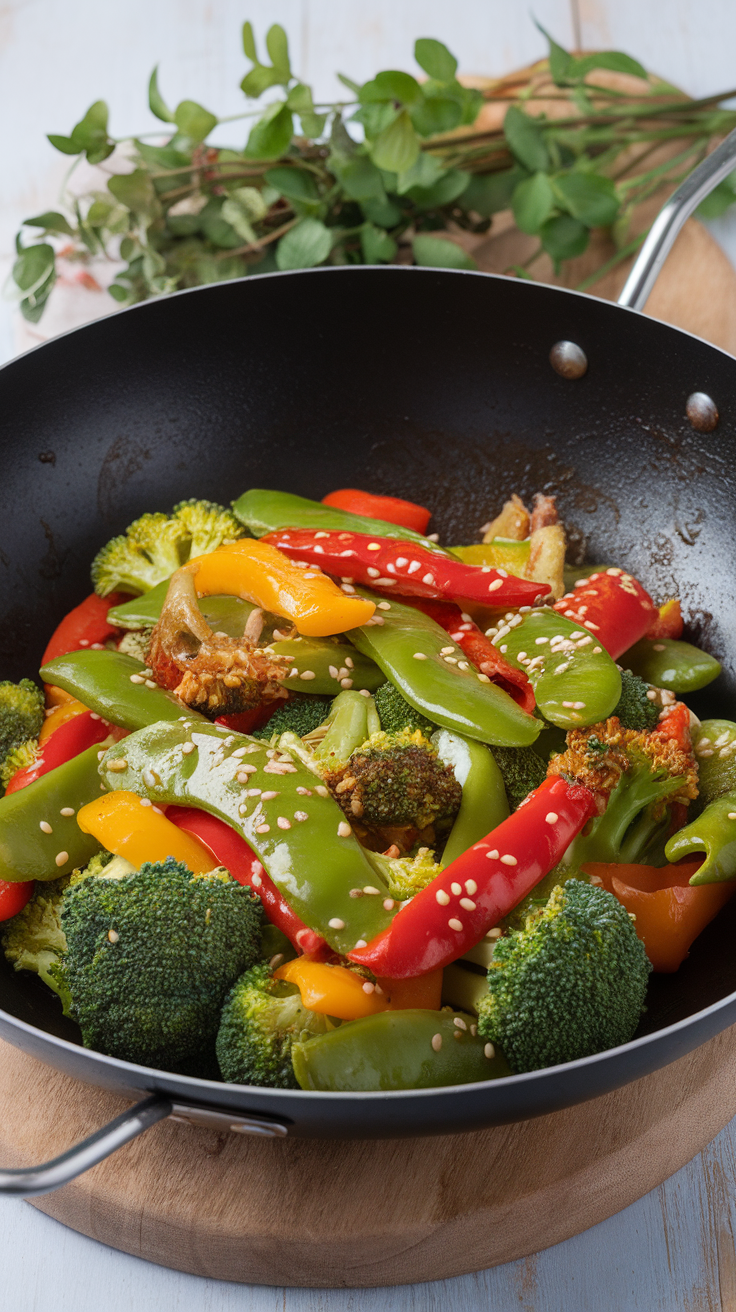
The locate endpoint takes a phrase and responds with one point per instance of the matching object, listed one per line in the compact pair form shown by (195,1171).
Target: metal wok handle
(670,219)
(30,1181)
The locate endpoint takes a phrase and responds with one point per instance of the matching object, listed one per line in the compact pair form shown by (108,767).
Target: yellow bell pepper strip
(501,553)
(60,714)
(129,826)
(258,572)
(332,990)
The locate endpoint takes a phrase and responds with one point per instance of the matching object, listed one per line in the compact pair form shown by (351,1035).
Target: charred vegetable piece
(114,685)
(669,663)
(276,804)
(575,681)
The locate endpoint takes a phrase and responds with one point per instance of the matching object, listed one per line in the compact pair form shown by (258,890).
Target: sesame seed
(446,651)
(401,561)
(350,662)
(561,669)
(150,683)
(361,943)
(551,817)
(473,1030)
(493,856)
(442,897)
(494,933)
(318,551)
(419,656)
(242,775)
(251,792)
(336,923)
(368,987)
(370,889)
(597,651)
(146,801)
(283,823)
(61,858)
(732,815)
(722,739)
(384,605)
(113,935)
(137,678)
(67,810)
(374,546)
(304,792)
(157,809)
(301,815)
(471,886)
(596,879)
(346,587)
(269,796)
(467,904)
(450,660)
(495,585)
(118,764)
(503,649)
(414,565)
(509,860)
(483,678)
(100,754)
(539,641)
(263,829)
(388,904)
(386,583)
(456,889)
(307,674)
(150,779)
(455,924)
(321,790)
(436,1042)
(188,748)
(459,1023)
(45,827)
(489,1051)
(346,683)
(344,830)
(373,573)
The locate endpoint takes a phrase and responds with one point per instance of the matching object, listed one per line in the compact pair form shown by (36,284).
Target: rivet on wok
(702,412)
(568,360)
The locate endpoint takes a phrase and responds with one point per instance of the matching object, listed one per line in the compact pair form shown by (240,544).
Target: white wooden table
(674,1250)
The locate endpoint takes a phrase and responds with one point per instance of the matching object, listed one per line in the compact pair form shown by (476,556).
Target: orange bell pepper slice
(336,991)
(66,710)
(669,913)
(259,572)
(127,827)
(56,696)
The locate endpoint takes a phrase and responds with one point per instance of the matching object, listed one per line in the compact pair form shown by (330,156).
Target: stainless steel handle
(30,1181)
(670,219)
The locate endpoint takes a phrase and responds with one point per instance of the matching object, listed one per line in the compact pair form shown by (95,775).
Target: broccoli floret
(406,875)
(21,714)
(34,940)
(635,710)
(641,775)
(150,957)
(396,779)
(207,525)
(301,715)
(261,1019)
(570,984)
(154,546)
(396,714)
(522,771)
(135,642)
(19,759)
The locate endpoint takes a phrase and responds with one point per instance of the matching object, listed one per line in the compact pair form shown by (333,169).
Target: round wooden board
(337,1214)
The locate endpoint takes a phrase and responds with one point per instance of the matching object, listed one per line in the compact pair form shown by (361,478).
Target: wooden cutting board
(336,1214)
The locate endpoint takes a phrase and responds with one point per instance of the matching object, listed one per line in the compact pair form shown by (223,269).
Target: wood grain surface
(385,1213)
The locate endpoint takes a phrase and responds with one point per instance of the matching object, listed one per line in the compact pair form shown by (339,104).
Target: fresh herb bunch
(306,191)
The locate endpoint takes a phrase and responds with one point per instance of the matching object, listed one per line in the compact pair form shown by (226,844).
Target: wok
(433,385)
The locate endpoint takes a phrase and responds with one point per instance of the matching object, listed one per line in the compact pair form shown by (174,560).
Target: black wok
(431,384)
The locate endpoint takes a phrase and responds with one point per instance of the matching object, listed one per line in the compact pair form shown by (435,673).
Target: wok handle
(713,169)
(30,1181)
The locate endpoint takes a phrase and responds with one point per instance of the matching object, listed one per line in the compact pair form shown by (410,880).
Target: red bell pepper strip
(247,721)
(85,626)
(71,738)
(480,650)
(474,892)
(391,509)
(233,852)
(391,566)
(14,896)
(613,606)
(668,623)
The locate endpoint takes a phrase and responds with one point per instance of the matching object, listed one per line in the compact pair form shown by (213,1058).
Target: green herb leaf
(65,144)
(590,197)
(216,227)
(613,60)
(424,172)
(397,147)
(294,183)
(277,45)
(300,99)
(34,272)
(487,193)
(376,245)
(532,202)
(271,135)
(441,253)
(306,245)
(313,125)
(384,213)
(258,80)
(560,61)
(156,102)
(525,139)
(391,85)
(436,114)
(194,121)
(134,190)
(443,192)
(52,222)
(348,82)
(359,178)
(435,59)
(249,43)
(714,205)
(564,237)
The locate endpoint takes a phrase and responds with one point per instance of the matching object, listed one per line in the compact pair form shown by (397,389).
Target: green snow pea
(714,743)
(714,832)
(670,663)
(484,804)
(264,511)
(276,804)
(102,680)
(328,659)
(29,852)
(408,646)
(575,681)
(397,1050)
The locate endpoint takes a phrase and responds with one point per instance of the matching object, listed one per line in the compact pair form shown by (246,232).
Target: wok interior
(431,385)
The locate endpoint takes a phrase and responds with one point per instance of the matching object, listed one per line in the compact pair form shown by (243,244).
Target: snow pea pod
(575,681)
(413,652)
(28,851)
(671,663)
(103,681)
(484,804)
(714,832)
(328,660)
(264,511)
(275,803)
(397,1050)
(714,743)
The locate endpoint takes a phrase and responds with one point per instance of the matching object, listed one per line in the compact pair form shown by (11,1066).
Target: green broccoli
(406,875)
(301,715)
(396,780)
(642,775)
(522,769)
(21,715)
(154,546)
(261,1019)
(150,957)
(396,714)
(635,709)
(19,759)
(135,642)
(570,984)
